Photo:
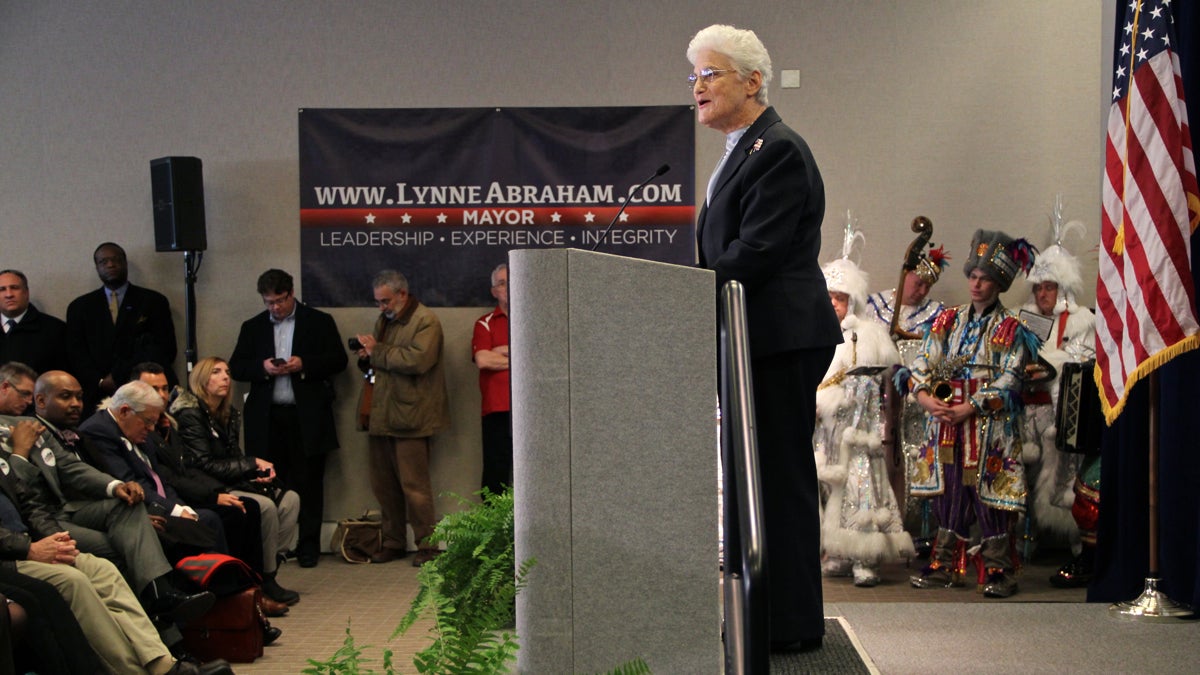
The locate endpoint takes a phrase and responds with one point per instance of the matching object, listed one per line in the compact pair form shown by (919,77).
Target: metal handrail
(746,618)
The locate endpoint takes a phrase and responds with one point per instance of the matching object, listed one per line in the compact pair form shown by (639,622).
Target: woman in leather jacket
(209,428)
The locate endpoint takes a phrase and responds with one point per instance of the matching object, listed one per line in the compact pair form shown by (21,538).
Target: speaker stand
(191,266)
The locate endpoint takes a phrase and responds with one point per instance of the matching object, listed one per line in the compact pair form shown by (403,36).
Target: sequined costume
(912,319)
(861,520)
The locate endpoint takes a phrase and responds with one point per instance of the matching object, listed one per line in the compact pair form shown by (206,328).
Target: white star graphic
(1142,54)
(1116,93)
(1120,72)
(624,217)
(1157,13)
(1125,50)
(370,218)
(1148,33)
(406,219)
(589,217)
(1128,28)
(555,217)
(441,217)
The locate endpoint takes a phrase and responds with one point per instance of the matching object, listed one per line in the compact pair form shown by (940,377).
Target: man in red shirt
(489,349)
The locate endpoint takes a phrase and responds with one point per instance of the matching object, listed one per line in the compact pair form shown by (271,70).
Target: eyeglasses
(707,75)
(278,301)
(26,394)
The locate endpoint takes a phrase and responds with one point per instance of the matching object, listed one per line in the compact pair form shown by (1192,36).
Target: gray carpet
(839,654)
(1016,638)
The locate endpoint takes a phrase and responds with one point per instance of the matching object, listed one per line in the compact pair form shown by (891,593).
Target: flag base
(1151,605)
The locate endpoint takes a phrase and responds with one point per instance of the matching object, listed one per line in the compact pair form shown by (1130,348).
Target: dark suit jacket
(106,444)
(39,342)
(762,227)
(144,331)
(317,342)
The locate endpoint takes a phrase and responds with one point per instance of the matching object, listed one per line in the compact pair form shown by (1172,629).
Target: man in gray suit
(103,515)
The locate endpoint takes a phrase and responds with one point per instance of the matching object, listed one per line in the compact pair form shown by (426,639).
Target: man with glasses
(289,354)
(489,349)
(408,404)
(118,438)
(16,388)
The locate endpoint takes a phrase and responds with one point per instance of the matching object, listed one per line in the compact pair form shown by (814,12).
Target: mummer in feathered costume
(1056,282)
(861,522)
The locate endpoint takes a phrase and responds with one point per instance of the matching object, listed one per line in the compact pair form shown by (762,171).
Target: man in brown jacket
(408,404)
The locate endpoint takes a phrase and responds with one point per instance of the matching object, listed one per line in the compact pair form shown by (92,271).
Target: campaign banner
(443,194)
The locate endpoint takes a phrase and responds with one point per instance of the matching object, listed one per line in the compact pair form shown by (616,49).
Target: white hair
(743,48)
(136,394)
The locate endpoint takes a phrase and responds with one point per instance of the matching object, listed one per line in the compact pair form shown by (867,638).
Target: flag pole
(1152,604)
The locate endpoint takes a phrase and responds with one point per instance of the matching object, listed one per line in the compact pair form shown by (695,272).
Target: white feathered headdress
(1055,263)
(842,275)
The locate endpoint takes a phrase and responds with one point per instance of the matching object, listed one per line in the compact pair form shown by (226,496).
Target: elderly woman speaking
(761,226)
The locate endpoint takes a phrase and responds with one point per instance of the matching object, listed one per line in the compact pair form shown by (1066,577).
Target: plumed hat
(842,275)
(930,267)
(999,256)
(1056,263)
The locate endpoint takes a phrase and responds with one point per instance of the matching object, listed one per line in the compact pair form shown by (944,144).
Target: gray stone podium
(615,462)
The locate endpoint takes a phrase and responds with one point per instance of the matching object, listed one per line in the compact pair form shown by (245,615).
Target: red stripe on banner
(458,216)
(1145,298)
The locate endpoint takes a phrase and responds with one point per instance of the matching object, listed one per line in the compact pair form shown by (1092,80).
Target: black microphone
(660,171)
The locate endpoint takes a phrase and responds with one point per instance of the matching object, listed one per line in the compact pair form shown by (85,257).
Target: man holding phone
(289,354)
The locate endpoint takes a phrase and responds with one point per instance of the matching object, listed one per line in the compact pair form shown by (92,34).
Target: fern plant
(470,590)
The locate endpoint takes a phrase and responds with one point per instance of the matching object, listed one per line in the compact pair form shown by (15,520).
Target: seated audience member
(26,335)
(106,609)
(58,405)
(208,429)
(52,641)
(118,440)
(105,515)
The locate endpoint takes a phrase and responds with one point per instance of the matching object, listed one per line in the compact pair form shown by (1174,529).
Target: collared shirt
(118,292)
(11,322)
(731,141)
(285,330)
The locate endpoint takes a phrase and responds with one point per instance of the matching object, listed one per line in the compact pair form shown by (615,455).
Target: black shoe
(308,558)
(168,601)
(217,667)
(271,634)
(798,646)
(1075,574)
(274,591)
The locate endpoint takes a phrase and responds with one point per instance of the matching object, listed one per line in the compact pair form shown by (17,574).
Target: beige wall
(974,113)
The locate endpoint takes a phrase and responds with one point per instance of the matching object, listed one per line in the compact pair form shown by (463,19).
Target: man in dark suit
(121,445)
(26,335)
(116,326)
(289,355)
(761,226)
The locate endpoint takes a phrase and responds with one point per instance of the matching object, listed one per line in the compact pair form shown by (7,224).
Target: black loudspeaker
(177,184)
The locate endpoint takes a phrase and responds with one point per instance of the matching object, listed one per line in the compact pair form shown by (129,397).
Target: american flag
(1145,298)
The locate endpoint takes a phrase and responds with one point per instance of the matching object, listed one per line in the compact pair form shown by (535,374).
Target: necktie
(712,180)
(8,325)
(112,305)
(158,484)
